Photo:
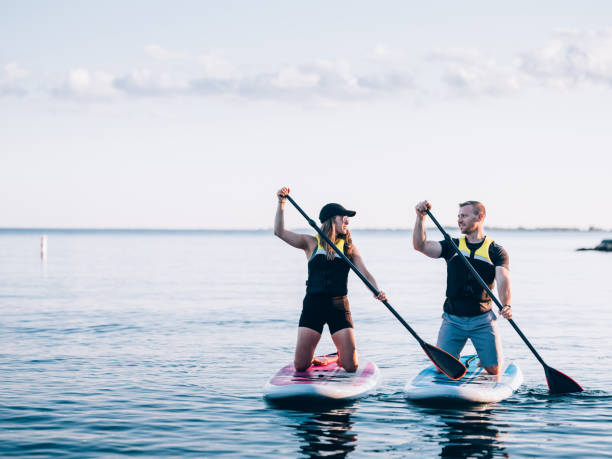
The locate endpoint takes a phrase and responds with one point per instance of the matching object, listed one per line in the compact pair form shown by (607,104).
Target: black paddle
(445,362)
(558,383)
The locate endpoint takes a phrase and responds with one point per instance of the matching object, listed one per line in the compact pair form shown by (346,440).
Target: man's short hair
(479,208)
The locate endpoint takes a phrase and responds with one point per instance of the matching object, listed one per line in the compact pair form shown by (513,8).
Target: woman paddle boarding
(326,288)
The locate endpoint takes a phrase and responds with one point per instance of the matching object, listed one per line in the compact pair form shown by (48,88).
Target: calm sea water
(159,344)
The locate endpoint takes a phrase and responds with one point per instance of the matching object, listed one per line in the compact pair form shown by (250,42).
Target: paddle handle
(355,270)
(485,286)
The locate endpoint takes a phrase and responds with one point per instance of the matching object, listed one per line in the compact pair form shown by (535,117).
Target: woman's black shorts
(321,309)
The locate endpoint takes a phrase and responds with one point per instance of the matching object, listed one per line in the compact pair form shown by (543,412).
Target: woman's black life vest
(327,276)
(464,294)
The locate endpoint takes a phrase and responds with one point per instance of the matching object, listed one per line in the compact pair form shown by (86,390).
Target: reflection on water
(327,433)
(472,432)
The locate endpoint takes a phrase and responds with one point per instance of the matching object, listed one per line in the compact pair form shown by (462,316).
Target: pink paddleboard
(323,382)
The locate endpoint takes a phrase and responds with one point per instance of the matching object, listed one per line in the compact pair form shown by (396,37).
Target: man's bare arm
(502,279)
(432,249)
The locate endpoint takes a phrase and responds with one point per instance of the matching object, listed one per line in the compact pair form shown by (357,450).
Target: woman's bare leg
(347,352)
(305,348)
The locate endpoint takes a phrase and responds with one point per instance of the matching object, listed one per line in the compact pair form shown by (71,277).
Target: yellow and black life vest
(327,276)
(464,294)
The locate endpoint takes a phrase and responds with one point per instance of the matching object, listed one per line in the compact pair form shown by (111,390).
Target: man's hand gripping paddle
(558,383)
(445,362)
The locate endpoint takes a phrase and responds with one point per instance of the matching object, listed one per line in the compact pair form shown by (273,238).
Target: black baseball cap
(332,209)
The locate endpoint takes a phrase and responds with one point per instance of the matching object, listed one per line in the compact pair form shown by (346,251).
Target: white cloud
(10,80)
(335,78)
(467,72)
(215,65)
(391,81)
(572,58)
(213,86)
(568,60)
(321,81)
(323,78)
(145,83)
(295,78)
(87,85)
(13,71)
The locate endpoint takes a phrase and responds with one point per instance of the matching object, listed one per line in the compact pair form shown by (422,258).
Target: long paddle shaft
(557,381)
(445,362)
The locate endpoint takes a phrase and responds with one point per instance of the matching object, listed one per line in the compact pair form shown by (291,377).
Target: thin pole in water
(43,247)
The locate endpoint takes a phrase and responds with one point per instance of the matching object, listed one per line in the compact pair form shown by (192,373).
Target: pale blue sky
(192,114)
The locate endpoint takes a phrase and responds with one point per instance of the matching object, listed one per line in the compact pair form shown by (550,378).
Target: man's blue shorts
(482,330)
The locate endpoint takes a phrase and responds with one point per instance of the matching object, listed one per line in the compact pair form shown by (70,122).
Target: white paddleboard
(477,386)
(322,383)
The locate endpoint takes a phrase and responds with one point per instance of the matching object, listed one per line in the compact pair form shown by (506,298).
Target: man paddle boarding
(326,288)
(467,308)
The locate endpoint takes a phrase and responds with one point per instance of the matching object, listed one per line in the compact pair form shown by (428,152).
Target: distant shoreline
(266,230)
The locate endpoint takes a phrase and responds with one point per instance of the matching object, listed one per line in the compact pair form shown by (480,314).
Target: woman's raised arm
(299,241)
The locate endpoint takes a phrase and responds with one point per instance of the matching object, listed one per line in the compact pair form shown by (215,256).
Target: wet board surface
(477,386)
(328,382)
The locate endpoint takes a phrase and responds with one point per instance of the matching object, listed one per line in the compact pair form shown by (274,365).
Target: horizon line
(236,230)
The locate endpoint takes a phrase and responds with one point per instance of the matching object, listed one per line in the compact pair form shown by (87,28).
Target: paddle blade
(444,362)
(559,383)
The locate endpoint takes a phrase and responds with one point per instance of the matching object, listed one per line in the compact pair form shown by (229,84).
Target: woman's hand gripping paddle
(445,362)
(558,383)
